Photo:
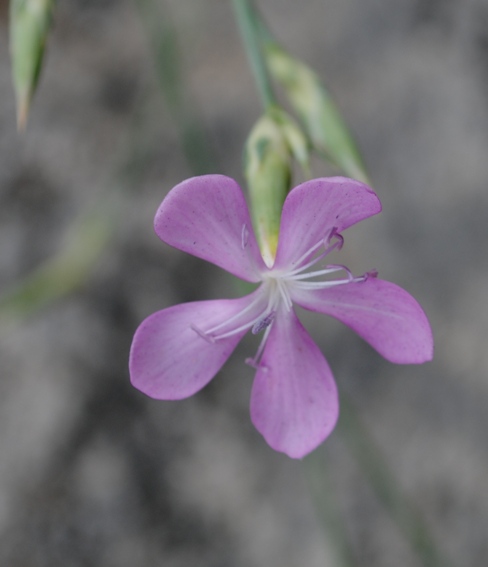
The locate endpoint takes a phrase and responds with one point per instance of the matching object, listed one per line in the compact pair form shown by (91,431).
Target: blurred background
(136,96)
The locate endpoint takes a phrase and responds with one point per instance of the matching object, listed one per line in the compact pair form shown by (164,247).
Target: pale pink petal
(383,314)
(207,216)
(313,208)
(169,360)
(294,402)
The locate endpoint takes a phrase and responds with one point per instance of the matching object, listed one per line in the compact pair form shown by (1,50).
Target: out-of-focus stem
(163,41)
(249,27)
(323,499)
(374,466)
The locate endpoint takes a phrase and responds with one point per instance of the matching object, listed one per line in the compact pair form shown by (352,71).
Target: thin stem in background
(323,498)
(88,237)
(249,28)
(163,42)
(92,232)
(407,517)
(372,463)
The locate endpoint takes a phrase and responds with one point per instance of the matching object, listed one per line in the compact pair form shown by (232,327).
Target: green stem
(163,41)
(249,27)
(373,465)
(322,494)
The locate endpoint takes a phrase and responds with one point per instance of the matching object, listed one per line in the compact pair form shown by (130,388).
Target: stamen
(255,362)
(371,274)
(244,236)
(328,249)
(340,239)
(333,283)
(329,270)
(205,336)
(263,323)
(345,268)
(330,283)
(310,251)
(249,325)
(285,294)
(236,316)
(246,326)
(214,333)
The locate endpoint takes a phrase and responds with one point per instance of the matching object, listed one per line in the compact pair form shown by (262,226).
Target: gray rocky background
(92,473)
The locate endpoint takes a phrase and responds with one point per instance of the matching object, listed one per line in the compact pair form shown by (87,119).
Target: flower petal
(382,313)
(313,208)
(294,402)
(207,216)
(169,360)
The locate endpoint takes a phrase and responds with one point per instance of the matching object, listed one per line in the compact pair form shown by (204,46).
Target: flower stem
(163,42)
(405,513)
(322,493)
(249,28)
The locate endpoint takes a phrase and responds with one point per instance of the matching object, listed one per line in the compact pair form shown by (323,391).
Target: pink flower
(294,402)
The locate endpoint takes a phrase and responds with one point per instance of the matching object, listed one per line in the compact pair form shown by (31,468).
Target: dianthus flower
(294,400)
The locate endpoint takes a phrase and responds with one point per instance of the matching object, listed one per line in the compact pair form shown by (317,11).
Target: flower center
(276,291)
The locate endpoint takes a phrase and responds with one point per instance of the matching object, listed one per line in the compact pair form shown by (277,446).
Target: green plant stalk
(249,28)
(323,499)
(373,465)
(316,109)
(84,242)
(163,42)
(331,137)
(313,104)
(92,232)
(65,272)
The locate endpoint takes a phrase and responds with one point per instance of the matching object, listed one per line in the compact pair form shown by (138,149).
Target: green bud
(29,25)
(317,111)
(272,143)
(297,141)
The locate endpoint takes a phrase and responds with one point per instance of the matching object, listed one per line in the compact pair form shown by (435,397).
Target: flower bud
(272,143)
(29,25)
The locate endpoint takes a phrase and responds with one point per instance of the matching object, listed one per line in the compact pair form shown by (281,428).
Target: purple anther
(263,323)
(371,274)
(244,236)
(338,244)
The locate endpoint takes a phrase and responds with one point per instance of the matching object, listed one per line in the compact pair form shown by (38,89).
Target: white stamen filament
(284,293)
(277,289)
(331,283)
(248,325)
(328,249)
(254,362)
(328,270)
(311,250)
(234,317)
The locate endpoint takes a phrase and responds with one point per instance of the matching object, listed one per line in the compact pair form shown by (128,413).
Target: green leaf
(316,109)
(66,271)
